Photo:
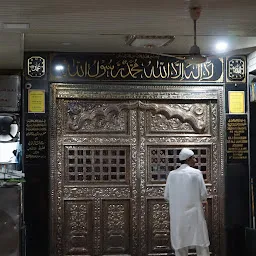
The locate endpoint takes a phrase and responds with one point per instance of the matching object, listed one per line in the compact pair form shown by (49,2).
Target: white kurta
(185,190)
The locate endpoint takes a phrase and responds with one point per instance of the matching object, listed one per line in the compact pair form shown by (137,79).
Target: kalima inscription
(36,139)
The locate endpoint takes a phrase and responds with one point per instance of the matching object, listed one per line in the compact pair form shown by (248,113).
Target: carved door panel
(112,160)
(165,129)
(99,192)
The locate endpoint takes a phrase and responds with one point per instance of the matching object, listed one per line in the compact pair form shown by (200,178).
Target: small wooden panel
(78,227)
(158,223)
(115,228)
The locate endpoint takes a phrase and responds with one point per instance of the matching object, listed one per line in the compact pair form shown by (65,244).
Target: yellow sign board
(236,102)
(36,101)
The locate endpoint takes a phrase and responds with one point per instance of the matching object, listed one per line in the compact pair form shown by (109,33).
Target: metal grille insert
(163,160)
(90,164)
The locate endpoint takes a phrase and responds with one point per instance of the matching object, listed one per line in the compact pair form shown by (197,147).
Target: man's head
(186,156)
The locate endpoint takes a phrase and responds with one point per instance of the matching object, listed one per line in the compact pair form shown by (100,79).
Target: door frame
(126,91)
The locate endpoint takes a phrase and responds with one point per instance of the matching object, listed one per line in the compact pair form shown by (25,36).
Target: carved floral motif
(96,117)
(93,117)
(177,118)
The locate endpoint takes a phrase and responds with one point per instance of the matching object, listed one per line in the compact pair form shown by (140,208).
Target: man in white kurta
(185,190)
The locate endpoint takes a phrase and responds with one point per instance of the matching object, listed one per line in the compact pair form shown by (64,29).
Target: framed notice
(237,138)
(36,101)
(10,93)
(236,102)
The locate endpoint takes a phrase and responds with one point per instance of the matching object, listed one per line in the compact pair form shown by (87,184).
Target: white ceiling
(102,25)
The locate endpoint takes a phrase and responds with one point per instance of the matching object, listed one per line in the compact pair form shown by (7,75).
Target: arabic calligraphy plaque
(36,140)
(236,69)
(36,66)
(143,67)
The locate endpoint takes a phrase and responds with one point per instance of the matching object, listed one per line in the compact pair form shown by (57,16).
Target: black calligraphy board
(36,146)
(237,138)
(68,67)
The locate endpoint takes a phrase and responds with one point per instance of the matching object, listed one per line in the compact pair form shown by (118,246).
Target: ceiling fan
(194,56)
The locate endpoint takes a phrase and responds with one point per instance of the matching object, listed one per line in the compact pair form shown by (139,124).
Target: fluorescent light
(16,26)
(221,46)
(59,67)
(149,41)
(66,43)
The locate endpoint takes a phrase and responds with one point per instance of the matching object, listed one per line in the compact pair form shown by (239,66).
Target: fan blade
(5,138)
(14,128)
(196,59)
(241,51)
(164,55)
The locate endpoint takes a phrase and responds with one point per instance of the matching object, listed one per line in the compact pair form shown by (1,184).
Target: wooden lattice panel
(100,165)
(165,159)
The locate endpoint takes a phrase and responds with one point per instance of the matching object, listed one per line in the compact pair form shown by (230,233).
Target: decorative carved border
(221,182)
(132,92)
(127,91)
(53,166)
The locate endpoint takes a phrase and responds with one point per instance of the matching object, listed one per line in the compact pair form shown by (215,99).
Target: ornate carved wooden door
(110,161)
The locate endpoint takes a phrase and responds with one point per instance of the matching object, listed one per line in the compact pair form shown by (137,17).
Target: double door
(110,163)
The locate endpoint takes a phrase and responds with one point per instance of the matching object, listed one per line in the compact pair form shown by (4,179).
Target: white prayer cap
(185,153)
